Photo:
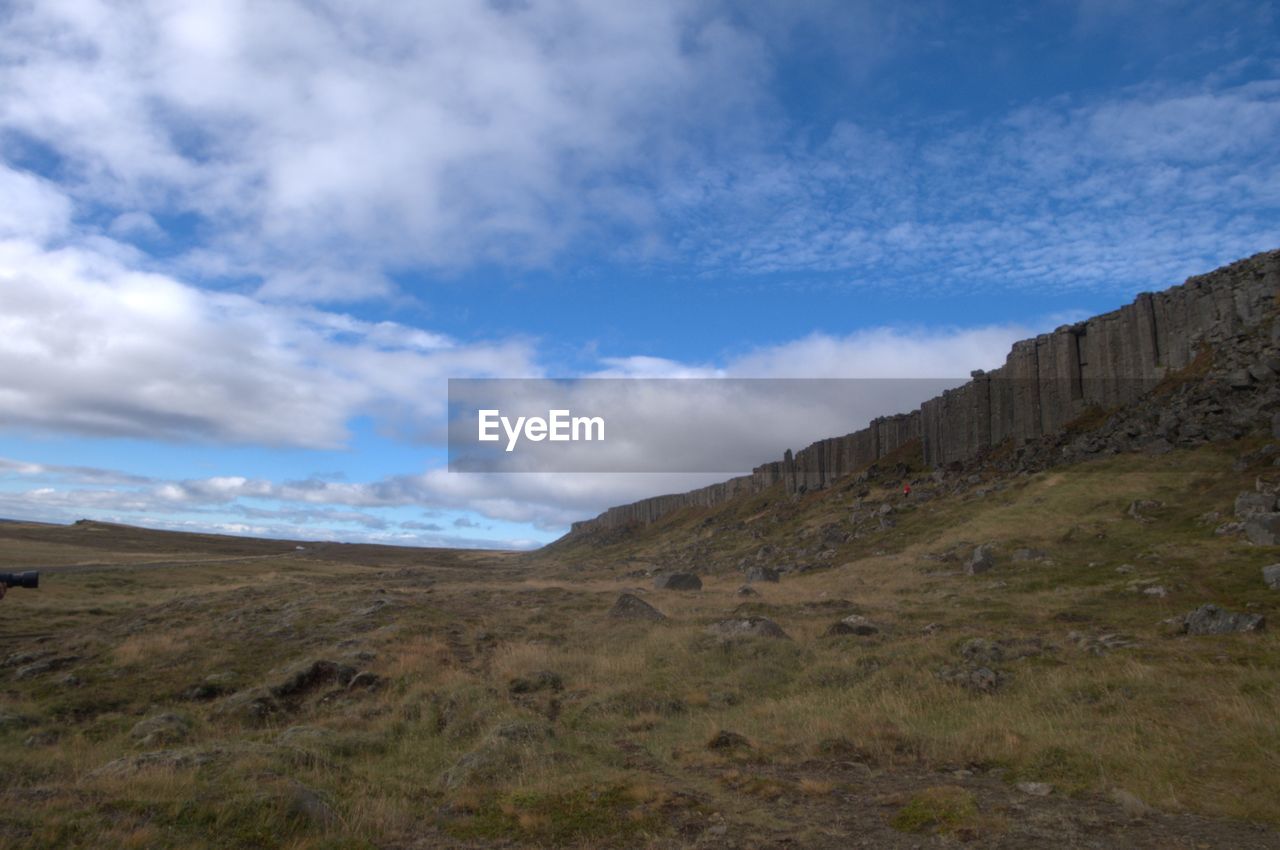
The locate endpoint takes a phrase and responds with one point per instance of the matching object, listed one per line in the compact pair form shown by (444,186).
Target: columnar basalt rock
(1105,362)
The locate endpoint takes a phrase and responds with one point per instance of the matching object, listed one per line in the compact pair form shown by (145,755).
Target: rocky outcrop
(1212,620)
(1046,384)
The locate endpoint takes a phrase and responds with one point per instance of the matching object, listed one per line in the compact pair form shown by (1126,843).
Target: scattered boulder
(678,581)
(1028,555)
(161,729)
(854,624)
(632,607)
(746,590)
(763,574)
(725,740)
(1139,508)
(1252,504)
(1263,529)
(1212,620)
(747,627)
(1271,575)
(981,560)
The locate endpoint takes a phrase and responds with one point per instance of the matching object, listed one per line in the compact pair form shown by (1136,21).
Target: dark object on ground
(29,579)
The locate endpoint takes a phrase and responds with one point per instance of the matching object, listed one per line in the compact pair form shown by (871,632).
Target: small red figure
(906,488)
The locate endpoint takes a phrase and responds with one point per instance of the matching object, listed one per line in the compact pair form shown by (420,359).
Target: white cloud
(32,206)
(326,143)
(1133,190)
(89,345)
(549,501)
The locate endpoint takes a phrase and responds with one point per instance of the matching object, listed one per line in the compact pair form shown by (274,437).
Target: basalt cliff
(1095,369)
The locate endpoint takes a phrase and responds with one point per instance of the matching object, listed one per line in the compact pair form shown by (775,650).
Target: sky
(244,245)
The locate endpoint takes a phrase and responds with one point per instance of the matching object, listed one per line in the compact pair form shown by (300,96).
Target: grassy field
(178,691)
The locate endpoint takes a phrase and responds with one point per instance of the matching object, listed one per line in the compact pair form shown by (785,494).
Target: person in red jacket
(906,489)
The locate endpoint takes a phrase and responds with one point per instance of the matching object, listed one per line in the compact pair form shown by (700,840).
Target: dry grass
(617,751)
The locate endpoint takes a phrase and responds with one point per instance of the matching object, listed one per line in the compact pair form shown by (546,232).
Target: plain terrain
(165,690)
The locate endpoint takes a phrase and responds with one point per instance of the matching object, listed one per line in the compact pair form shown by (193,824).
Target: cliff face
(1105,362)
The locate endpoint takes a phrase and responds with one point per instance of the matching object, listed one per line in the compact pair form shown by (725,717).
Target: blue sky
(244,245)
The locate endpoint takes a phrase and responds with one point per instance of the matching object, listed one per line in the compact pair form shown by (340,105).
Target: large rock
(1212,620)
(1271,575)
(678,581)
(632,607)
(981,560)
(763,574)
(746,627)
(1263,529)
(1253,504)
